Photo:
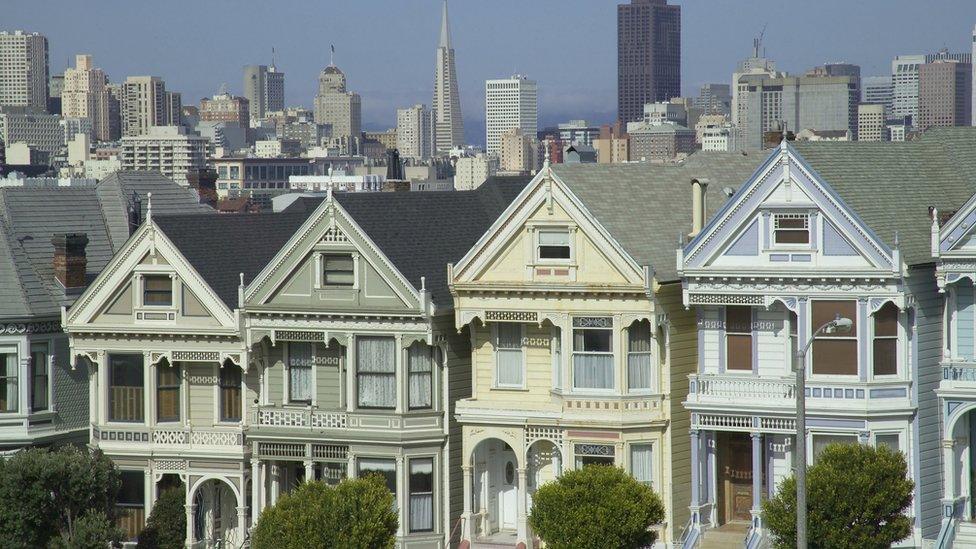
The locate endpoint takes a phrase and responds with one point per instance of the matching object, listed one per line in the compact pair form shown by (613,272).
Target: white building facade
(510,103)
(166,149)
(415,132)
(23,70)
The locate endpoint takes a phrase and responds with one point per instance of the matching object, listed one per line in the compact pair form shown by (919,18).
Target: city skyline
(195,58)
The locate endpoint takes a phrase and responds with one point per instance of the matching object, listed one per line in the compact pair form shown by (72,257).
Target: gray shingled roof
(891,185)
(31,215)
(647,206)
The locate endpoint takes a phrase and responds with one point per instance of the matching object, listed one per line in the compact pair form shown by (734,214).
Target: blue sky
(386,47)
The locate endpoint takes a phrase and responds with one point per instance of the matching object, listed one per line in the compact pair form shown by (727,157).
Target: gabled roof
(891,185)
(30,215)
(645,207)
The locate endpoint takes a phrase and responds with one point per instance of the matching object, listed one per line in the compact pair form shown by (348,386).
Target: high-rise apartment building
(945,90)
(972,78)
(86,95)
(225,107)
(414,132)
(871,122)
(264,88)
(23,70)
(714,99)
(168,150)
(904,85)
(751,69)
(446,105)
(877,90)
(38,130)
(648,55)
(55,85)
(339,108)
(172,109)
(517,151)
(510,103)
(145,103)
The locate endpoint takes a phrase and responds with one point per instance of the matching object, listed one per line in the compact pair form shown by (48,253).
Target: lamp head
(840,325)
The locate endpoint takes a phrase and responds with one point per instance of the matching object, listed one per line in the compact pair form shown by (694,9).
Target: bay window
(39,377)
(509,358)
(385,468)
(300,364)
(594,454)
(167,392)
(376,371)
(422,495)
(738,337)
(593,353)
(885,345)
(230,393)
(642,463)
(126,388)
(834,354)
(8,380)
(640,373)
(420,369)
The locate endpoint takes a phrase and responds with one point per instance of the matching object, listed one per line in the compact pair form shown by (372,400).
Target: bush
(46,498)
(358,513)
(595,507)
(166,525)
(857,497)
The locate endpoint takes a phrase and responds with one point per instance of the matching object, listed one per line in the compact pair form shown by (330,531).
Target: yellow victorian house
(581,348)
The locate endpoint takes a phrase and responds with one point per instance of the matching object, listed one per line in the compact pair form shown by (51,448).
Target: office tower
(510,103)
(751,68)
(945,55)
(574,132)
(264,88)
(945,90)
(871,122)
(414,132)
(714,99)
(168,150)
(115,92)
(37,129)
(839,69)
(225,107)
(55,85)
(517,151)
(904,85)
(23,70)
(144,104)
(972,78)
(338,108)
(877,90)
(172,109)
(446,105)
(86,95)
(648,55)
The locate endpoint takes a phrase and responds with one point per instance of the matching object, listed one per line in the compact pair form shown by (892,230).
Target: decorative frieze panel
(216,438)
(120,436)
(334,235)
(169,465)
(281,449)
(328,420)
(299,335)
(161,436)
(330,451)
(728,422)
(276,417)
(511,316)
(552,434)
(725,299)
(196,356)
(17,328)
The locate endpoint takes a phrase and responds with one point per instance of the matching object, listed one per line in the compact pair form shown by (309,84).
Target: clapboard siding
(203,378)
(458,373)
(772,341)
(275,375)
(965,310)
(683,360)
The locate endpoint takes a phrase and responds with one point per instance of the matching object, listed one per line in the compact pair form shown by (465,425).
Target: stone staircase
(965,535)
(727,536)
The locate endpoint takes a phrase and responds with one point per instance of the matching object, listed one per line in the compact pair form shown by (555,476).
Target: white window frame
(900,433)
(433,493)
(494,338)
(614,350)
(320,269)
(570,238)
(775,215)
(899,359)
(13,349)
(49,371)
(630,460)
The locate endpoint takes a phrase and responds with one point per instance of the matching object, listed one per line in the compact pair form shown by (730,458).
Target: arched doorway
(961,473)
(544,462)
(215,518)
(496,489)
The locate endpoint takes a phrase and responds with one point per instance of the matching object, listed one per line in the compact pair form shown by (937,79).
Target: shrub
(166,525)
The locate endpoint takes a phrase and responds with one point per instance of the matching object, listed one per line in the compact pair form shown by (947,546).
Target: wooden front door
(734,477)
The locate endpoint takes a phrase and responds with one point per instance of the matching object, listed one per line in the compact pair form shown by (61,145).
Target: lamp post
(838,325)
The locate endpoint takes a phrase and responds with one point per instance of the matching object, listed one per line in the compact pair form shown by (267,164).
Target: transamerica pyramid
(446,106)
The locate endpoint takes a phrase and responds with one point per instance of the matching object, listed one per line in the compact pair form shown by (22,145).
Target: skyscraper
(904,85)
(510,103)
(23,70)
(264,89)
(85,95)
(146,103)
(446,106)
(338,108)
(877,90)
(414,132)
(944,94)
(648,55)
(972,104)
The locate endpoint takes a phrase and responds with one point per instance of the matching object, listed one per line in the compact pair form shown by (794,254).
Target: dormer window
(157,291)
(554,245)
(338,270)
(791,228)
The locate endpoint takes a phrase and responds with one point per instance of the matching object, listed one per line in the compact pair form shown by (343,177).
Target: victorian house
(244,354)
(821,230)
(580,345)
(54,237)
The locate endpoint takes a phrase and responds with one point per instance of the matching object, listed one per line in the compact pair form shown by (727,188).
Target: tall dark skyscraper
(648,55)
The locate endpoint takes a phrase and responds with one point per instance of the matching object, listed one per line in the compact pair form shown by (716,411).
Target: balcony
(569,409)
(299,418)
(123,438)
(359,424)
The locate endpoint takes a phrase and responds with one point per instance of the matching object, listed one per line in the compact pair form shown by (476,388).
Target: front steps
(727,536)
(965,535)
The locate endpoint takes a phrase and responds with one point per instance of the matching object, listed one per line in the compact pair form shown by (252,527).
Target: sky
(386,47)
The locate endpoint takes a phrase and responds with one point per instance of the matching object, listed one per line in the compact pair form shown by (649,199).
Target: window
(126,388)
(835,354)
(886,340)
(891,440)
(821,441)
(640,372)
(332,473)
(167,392)
(338,270)
(794,336)
(386,468)
(593,353)
(557,358)
(131,502)
(39,377)
(791,228)
(642,463)
(8,380)
(508,355)
(594,454)
(554,245)
(230,393)
(738,337)
(157,291)
(420,369)
(422,495)
(300,364)
(376,371)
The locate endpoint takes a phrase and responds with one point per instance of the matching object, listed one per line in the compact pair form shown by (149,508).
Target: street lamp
(839,325)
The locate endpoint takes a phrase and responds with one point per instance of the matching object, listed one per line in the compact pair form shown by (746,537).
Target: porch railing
(169,436)
(742,388)
(959,371)
(299,418)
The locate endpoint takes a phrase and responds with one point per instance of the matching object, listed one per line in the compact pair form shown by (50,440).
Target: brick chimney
(69,259)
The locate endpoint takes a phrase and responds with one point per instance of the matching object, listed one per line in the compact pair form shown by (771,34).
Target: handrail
(688,538)
(457,525)
(947,533)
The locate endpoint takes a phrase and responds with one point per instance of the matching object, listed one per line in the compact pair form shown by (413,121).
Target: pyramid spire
(445,31)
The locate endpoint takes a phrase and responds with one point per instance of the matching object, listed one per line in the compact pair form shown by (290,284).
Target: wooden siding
(772,341)
(538,369)
(202,381)
(458,373)
(710,339)
(328,384)
(275,375)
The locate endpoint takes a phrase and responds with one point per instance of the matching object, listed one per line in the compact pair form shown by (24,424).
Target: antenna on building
(272,56)
(332,55)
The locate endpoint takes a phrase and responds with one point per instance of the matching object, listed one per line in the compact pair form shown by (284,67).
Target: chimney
(698,188)
(69,259)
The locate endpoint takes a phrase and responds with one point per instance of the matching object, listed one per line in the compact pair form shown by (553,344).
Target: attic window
(157,291)
(791,228)
(338,270)
(554,245)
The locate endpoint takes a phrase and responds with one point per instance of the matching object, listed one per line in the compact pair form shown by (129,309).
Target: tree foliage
(57,498)
(857,497)
(166,525)
(357,513)
(595,507)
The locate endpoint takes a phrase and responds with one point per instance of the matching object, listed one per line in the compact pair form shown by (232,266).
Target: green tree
(166,525)
(595,507)
(54,498)
(358,513)
(857,497)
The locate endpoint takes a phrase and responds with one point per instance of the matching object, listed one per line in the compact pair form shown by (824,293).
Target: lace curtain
(376,371)
(508,354)
(639,368)
(420,365)
(8,382)
(300,364)
(641,463)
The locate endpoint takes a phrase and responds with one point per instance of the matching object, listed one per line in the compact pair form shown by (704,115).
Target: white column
(351,374)
(275,482)
(309,470)
(949,489)
(103,386)
(401,490)
(350,465)
(468,472)
(242,517)
(185,392)
(757,475)
(244,398)
(190,508)
(257,486)
(400,374)
(522,534)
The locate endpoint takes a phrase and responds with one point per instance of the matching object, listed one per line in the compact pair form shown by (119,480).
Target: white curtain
(300,364)
(376,371)
(557,358)
(420,366)
(641,463)
(508,354)
(593,371)
(8,383)
(421,495)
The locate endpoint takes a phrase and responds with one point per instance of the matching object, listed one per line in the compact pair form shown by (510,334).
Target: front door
(734,477)
(507,491)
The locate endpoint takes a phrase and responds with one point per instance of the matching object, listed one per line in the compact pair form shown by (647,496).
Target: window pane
(554,238)
(825,311)
(885,356)
(886,321)
(738,352)
(639,337)
(509,367)
(157,290)
(835,356)
(8,382)
(738,320)
(593,371)
(509,336)
(375,371)
(300,363)
(420,368)
(167,393)
(554,252)
(131,503)
(230,393)
(784,236)
(639,374)
(890,440)
(594,341)
(39,377)
(338,270)
(421,495)
(386,468)
(641,463)
(821,441)
(126,390)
